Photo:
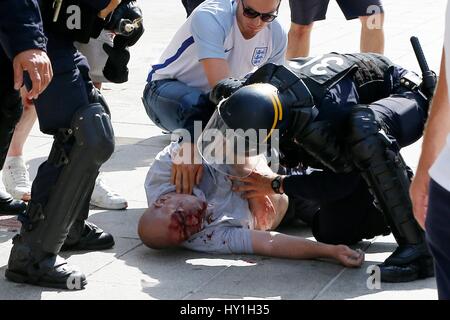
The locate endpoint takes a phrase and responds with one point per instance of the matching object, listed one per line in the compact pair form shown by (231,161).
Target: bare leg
(22,131)
(299,40)
(15,175)
(372,34)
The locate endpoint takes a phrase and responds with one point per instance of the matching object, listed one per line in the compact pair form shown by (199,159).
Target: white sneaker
(16,178)
(105,198)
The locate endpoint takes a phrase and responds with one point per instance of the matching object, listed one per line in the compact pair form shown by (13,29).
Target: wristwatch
(276,185)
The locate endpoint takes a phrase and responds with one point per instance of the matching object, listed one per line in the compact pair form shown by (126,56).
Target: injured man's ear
(171,220)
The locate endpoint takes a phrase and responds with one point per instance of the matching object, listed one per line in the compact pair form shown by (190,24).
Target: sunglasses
(266,17)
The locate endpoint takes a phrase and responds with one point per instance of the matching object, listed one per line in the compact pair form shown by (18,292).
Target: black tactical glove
(116,69)
(225,88)
(126,22)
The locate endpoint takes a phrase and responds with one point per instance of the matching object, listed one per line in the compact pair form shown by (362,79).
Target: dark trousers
(438,236)
(339,207)
(10,105)
(69,90)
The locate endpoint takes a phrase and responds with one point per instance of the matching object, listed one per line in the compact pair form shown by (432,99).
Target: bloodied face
(186,214)
(172,219)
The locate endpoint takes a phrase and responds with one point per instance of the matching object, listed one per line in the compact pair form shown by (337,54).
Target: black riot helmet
(256,106)
(243,128)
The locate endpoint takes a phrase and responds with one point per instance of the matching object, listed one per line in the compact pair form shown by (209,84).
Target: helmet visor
(233,152)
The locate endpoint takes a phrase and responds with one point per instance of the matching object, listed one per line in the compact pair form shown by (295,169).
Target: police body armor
(73,19)
(356,144)
(369,72)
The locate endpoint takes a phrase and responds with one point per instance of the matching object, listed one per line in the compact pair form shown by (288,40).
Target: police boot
(9,206)
(46,226)
(409,262)
(85,235)
(34,258)
(32,266)
(385,172)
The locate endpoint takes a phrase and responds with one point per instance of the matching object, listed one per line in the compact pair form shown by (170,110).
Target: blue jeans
(438,236)
(172,105)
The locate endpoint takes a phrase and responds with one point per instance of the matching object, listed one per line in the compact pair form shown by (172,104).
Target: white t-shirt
(440,171)
(212,32)
(228,222)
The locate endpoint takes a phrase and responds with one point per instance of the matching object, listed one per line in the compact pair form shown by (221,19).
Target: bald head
(171,220)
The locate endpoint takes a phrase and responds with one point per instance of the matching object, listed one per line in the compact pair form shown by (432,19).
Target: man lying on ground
(216,220)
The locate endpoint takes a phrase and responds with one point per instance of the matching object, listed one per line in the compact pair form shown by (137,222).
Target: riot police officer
(74,112)
(347,115)
(22,48)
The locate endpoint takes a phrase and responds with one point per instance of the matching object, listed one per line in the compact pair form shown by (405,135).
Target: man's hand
(255,185)
(39,68)
(348,257)
(186,172)
(419,196)
(109,8)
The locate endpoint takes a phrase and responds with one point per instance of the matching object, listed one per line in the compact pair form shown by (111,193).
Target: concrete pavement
(132,271)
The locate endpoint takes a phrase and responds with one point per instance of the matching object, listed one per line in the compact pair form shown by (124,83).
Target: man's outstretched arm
(280,245)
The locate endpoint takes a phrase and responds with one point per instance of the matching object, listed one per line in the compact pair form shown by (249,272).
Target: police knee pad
(93,132)
(366,139)
(363,123)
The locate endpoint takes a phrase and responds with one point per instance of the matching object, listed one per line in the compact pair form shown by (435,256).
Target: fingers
(199,175)
(244,188)
(47,75)
(191,174)
(249,178)
(252,194)
(173,174)
(354,258)
(36,83)
(178,180)
(185,177)
(420,207)
(18,75)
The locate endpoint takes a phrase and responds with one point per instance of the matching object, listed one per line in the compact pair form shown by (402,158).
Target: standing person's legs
(10,112)
(303,15)
(103,196)
(15,174)
(438,236)
(84,139)
(371,14)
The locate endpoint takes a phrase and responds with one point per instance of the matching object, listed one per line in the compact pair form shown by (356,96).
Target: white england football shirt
(212,32)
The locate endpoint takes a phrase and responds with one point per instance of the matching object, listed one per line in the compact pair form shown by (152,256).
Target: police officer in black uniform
(75,113)
(347,115)
(22,45)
